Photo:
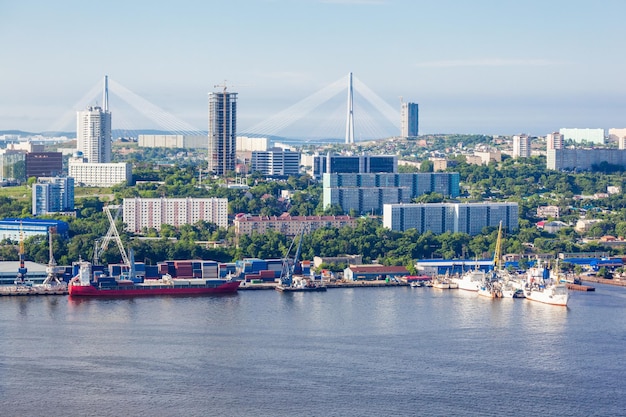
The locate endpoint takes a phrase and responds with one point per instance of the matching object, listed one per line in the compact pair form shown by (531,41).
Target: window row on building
(584,159)
(275,162)
(367,193)
(152,213)
(287,224)
(99,174)
(52,195)
(353,164)
(438,218)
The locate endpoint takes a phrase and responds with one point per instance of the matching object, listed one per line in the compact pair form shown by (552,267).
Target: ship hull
(300,289)
(547,297)
(150,290)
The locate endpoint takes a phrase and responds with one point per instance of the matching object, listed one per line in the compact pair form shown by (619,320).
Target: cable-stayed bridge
(322,116)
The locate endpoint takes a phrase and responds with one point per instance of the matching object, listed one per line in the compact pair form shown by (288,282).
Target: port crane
(52,269)
(22,270)
(102,244)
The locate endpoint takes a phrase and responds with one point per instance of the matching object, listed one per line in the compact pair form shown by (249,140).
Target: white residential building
(99,174)
(583,135)
(93,134)
(521,146)
(151,213)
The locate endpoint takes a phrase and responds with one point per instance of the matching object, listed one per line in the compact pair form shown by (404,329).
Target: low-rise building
(548,211)
(14,229)
(374,272)
(342,259)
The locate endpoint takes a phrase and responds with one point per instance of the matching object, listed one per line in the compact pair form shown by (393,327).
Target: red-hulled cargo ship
(82,286)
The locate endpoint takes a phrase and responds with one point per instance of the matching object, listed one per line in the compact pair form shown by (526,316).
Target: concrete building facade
(93,134)
(584,159)
(439,218)
(99,174)
(583,135)
(151,213)
(521,146)
(52,195)
(173,141)
(275,162)
(554,140)
(368,193)
(287,224)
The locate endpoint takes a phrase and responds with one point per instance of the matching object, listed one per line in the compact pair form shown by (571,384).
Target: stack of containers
(152,271)
(209,269)
(227,268)
(275,265)
(184,269)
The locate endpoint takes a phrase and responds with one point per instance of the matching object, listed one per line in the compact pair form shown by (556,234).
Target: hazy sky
(480,66)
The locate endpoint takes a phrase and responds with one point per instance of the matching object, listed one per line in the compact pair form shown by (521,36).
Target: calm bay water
(346,352)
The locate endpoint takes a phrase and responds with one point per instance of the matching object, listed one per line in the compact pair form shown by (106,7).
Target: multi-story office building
(53,195)
(172,141)
(151,213)
(521,146)
(336,164)
(409,124)
(93,134)
(584,159)
(275,162)
(287,224)
(577,135)
(247,144)
(44,164)
(367,193)
(98,174)
(12,165)
(438,218)
(554,140)
(222,132)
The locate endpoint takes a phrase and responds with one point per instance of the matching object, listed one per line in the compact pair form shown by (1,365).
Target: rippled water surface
(347,352)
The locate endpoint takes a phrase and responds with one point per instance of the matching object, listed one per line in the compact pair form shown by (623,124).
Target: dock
(579,287)
(22,290)
(329,285)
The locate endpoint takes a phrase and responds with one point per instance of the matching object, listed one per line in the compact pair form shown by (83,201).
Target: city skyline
(478,67)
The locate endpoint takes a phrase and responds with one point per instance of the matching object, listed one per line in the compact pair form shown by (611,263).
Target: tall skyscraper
(222,131)
(93,131)
(409,124)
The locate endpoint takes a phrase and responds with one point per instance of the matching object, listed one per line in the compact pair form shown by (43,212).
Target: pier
(25,290)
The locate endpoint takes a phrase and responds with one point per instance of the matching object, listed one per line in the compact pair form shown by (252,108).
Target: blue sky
(481,66)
